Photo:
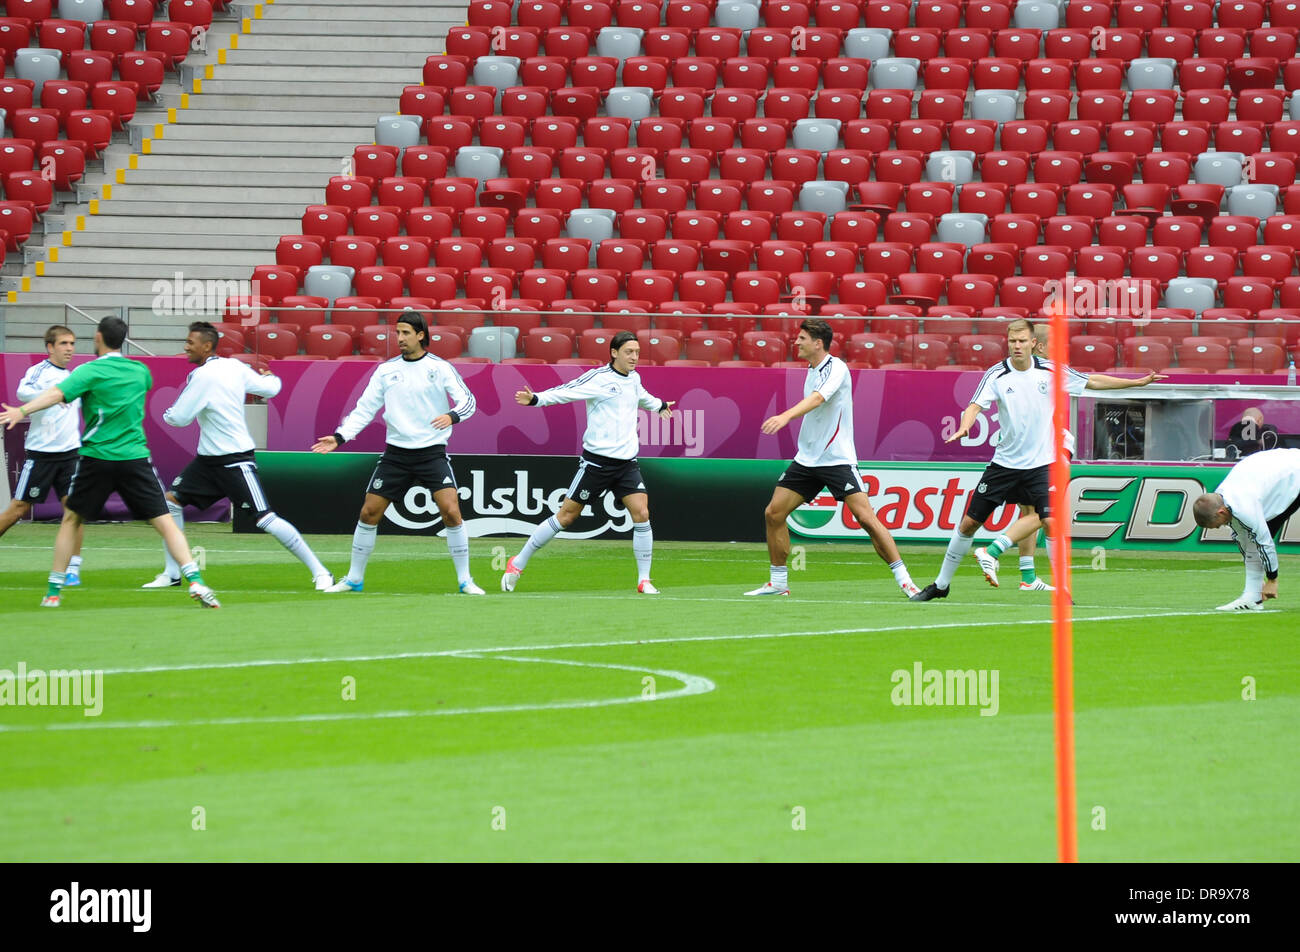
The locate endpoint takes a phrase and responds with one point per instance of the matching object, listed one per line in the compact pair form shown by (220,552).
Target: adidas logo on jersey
(640,485)
(848,485)
(446,480)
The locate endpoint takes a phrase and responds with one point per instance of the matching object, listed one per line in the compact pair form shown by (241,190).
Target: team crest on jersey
(176,481)
(1042,386)
(584,494)
(36,492)
(433,375)
(377,484)
(983,487)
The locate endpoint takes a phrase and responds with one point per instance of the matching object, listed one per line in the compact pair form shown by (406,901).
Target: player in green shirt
(114,456)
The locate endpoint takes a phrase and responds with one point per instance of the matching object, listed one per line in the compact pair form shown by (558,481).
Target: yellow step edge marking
(257,12)
(246,25)
(132,161)
(198,85)
(207,71)
(67,239)
(26,283)
(54,253)
(81,223)
(158,130)
(94,206)
(13,297)
(221,56)
(185,100)
(40,269)
(171,114)
(146,147)
(234,41)
(106,192)
(120,176)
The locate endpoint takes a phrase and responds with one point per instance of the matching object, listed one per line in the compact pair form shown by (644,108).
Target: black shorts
(210,478)
(135,480)
(600,474)
(400,469)
(1278,521)
(43,472)
(843,481)
(1000,485)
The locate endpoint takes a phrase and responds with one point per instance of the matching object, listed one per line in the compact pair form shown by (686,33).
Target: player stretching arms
(114,455)
(826,458)
(412,390)
(609,447)
(51,443)
(1021,386)
(225,467)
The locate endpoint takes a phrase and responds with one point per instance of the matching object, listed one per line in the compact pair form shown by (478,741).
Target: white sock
(901,575)
(958,546)
(171,566)
(74,564)
(289,537)
(363,543)
(999,545)
(780,576)
(190,571)
(543,534)
(458,546)
(1254,589)
(643,543)
(1057,578)
(1026,563)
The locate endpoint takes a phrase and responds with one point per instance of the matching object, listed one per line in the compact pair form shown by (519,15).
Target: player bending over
(1256,498)
(826,459)
(609,450)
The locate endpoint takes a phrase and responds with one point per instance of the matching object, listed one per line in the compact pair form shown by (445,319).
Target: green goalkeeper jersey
(112,391)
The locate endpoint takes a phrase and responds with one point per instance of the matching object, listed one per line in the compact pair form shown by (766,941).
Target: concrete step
(302,169)
(382,71)
(313,148)
(223,177)
(136,242)
(234,198)
(60,271)
(273,90)
(171,225)
(310,104)
(110,258)
(317,58)
(204,113)
(267,33)
(228,133)
(192,210)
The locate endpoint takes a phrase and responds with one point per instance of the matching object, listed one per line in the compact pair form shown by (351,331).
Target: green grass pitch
(524,726)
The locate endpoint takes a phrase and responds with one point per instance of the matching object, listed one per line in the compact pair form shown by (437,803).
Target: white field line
(691,684)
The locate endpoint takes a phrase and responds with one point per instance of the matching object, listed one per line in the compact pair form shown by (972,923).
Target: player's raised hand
(667,412)
(959,433)
(524,397)
(1152,377)
(325,444)
(774,424)
(442,421)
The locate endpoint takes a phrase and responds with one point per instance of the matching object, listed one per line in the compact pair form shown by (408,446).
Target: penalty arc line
(692,684)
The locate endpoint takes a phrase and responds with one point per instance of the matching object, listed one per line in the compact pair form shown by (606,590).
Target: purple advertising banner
(899,415)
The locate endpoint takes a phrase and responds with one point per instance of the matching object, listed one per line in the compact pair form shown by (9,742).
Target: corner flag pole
(1067,836)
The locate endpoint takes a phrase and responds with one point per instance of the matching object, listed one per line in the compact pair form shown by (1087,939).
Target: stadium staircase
(279,109)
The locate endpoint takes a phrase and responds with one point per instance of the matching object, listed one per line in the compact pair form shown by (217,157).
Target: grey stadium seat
(328,281)
(866,42)
(632,102)
(494,343)
(87,11)
(479,161)
(583,224)
(1218,168)
(1152,73)
(1036,15)
(1295,104)
(820,135)
(951,165)
(38,65)
(1259,201)
(825,197)
(736,15)
(967,228)
(999,105)
(619,42)
(1195,294)
(401,131)
(895,72)
(499,72)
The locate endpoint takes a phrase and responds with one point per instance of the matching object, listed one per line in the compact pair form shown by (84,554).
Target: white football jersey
(826,433)
(1024,399)
(1259,488)
(412,394)
(58,428)
(214,395)
(612,400)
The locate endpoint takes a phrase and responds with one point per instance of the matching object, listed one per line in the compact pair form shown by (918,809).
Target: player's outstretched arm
(325,444)
(1107,382)
(12,415)
(806,405)
(967,421)
(525,397)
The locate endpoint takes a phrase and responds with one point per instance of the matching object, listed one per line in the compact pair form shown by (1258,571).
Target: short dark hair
(416,320)
(818,330)
(56,331)
(112,330)
(206,332)
(618,340)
